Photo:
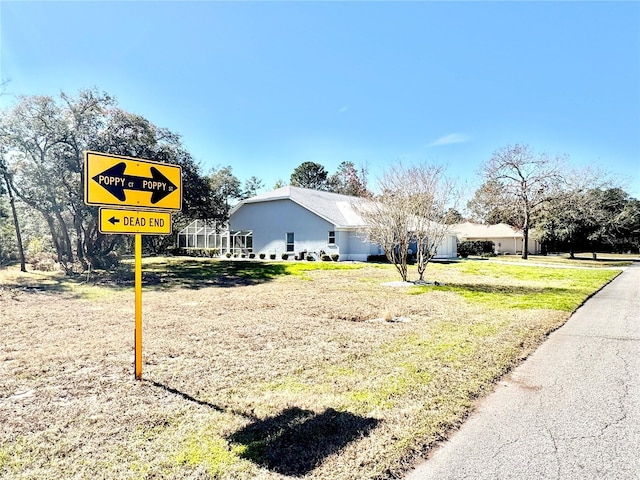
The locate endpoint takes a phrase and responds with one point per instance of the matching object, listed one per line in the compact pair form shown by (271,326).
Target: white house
(294,220)
(506,239)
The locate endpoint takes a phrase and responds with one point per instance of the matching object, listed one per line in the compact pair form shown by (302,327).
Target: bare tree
(7,182)
(432,199)
(413,208)
(525,179)
(12,202)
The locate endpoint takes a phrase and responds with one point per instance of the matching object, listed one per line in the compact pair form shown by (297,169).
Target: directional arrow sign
(131,182)
(115,220)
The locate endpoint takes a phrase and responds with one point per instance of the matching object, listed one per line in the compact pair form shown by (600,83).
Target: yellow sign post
(131,182)
(151,188)
(115,220)
(138,296)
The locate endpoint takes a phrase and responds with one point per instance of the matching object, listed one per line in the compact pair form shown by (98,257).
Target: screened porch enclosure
(209,235)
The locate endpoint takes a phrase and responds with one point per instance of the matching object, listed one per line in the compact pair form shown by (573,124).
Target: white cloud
(450,139)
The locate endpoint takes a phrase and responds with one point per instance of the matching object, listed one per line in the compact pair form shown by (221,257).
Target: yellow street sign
(131,182)
(115,220)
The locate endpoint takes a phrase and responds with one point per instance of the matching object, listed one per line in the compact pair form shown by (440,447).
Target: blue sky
(265,86)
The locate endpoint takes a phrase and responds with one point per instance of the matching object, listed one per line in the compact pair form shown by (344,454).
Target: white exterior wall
(448,248)
(355,246)
(270,222)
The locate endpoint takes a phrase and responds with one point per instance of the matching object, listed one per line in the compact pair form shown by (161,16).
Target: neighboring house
(506,239)
(295,220)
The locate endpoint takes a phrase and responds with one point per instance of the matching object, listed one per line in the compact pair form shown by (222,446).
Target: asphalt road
(570,411)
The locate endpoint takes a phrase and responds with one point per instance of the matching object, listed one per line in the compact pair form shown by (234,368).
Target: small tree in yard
(414,207)
(431,196)
(388,225)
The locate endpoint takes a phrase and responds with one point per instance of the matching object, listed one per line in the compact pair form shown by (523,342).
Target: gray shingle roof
(335,208)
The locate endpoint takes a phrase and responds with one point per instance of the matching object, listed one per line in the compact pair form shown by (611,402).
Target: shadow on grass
(482,288)
(186,396)
(164,274)
(217,273)
(296,441)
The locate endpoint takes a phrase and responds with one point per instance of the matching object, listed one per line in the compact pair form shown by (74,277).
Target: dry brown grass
(279,377)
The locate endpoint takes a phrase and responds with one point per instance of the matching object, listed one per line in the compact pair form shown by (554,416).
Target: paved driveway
(571,411)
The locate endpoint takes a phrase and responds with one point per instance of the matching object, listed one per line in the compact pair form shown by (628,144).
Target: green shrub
(262,255)
(285,256)
(325,258)
(479,248)
(310,258)
(252,255)
(228,254)
(335,257)
(272,256)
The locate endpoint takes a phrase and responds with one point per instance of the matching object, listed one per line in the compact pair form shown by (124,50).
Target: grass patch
(603,260)
(520,287)
(253,374)
(213,453)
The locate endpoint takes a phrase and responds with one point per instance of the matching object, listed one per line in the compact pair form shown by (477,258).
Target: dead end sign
(116,220)
(113,180)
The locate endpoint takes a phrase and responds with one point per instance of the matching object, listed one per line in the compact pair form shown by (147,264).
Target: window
(332,238)
(290,242)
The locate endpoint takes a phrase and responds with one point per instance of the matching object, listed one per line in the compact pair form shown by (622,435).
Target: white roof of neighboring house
(333,207)
(476,230)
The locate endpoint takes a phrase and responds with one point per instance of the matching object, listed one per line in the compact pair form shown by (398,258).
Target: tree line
(568,209)
(42,210)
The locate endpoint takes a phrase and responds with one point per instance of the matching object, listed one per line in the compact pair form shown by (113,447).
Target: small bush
(285,256)
(325,258)
(272,256)
(228,254)
(377,259)
(43,262)
(335,257)
(310,258)
(478,248)
(252,255)
(262,255)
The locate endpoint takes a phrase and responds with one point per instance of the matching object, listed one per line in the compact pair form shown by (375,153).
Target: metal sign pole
(138,288)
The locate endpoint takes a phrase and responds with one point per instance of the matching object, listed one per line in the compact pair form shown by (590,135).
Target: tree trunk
(54,236)
(398,256)
(525,232)
(65,236)
(79,241)
(12,202)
